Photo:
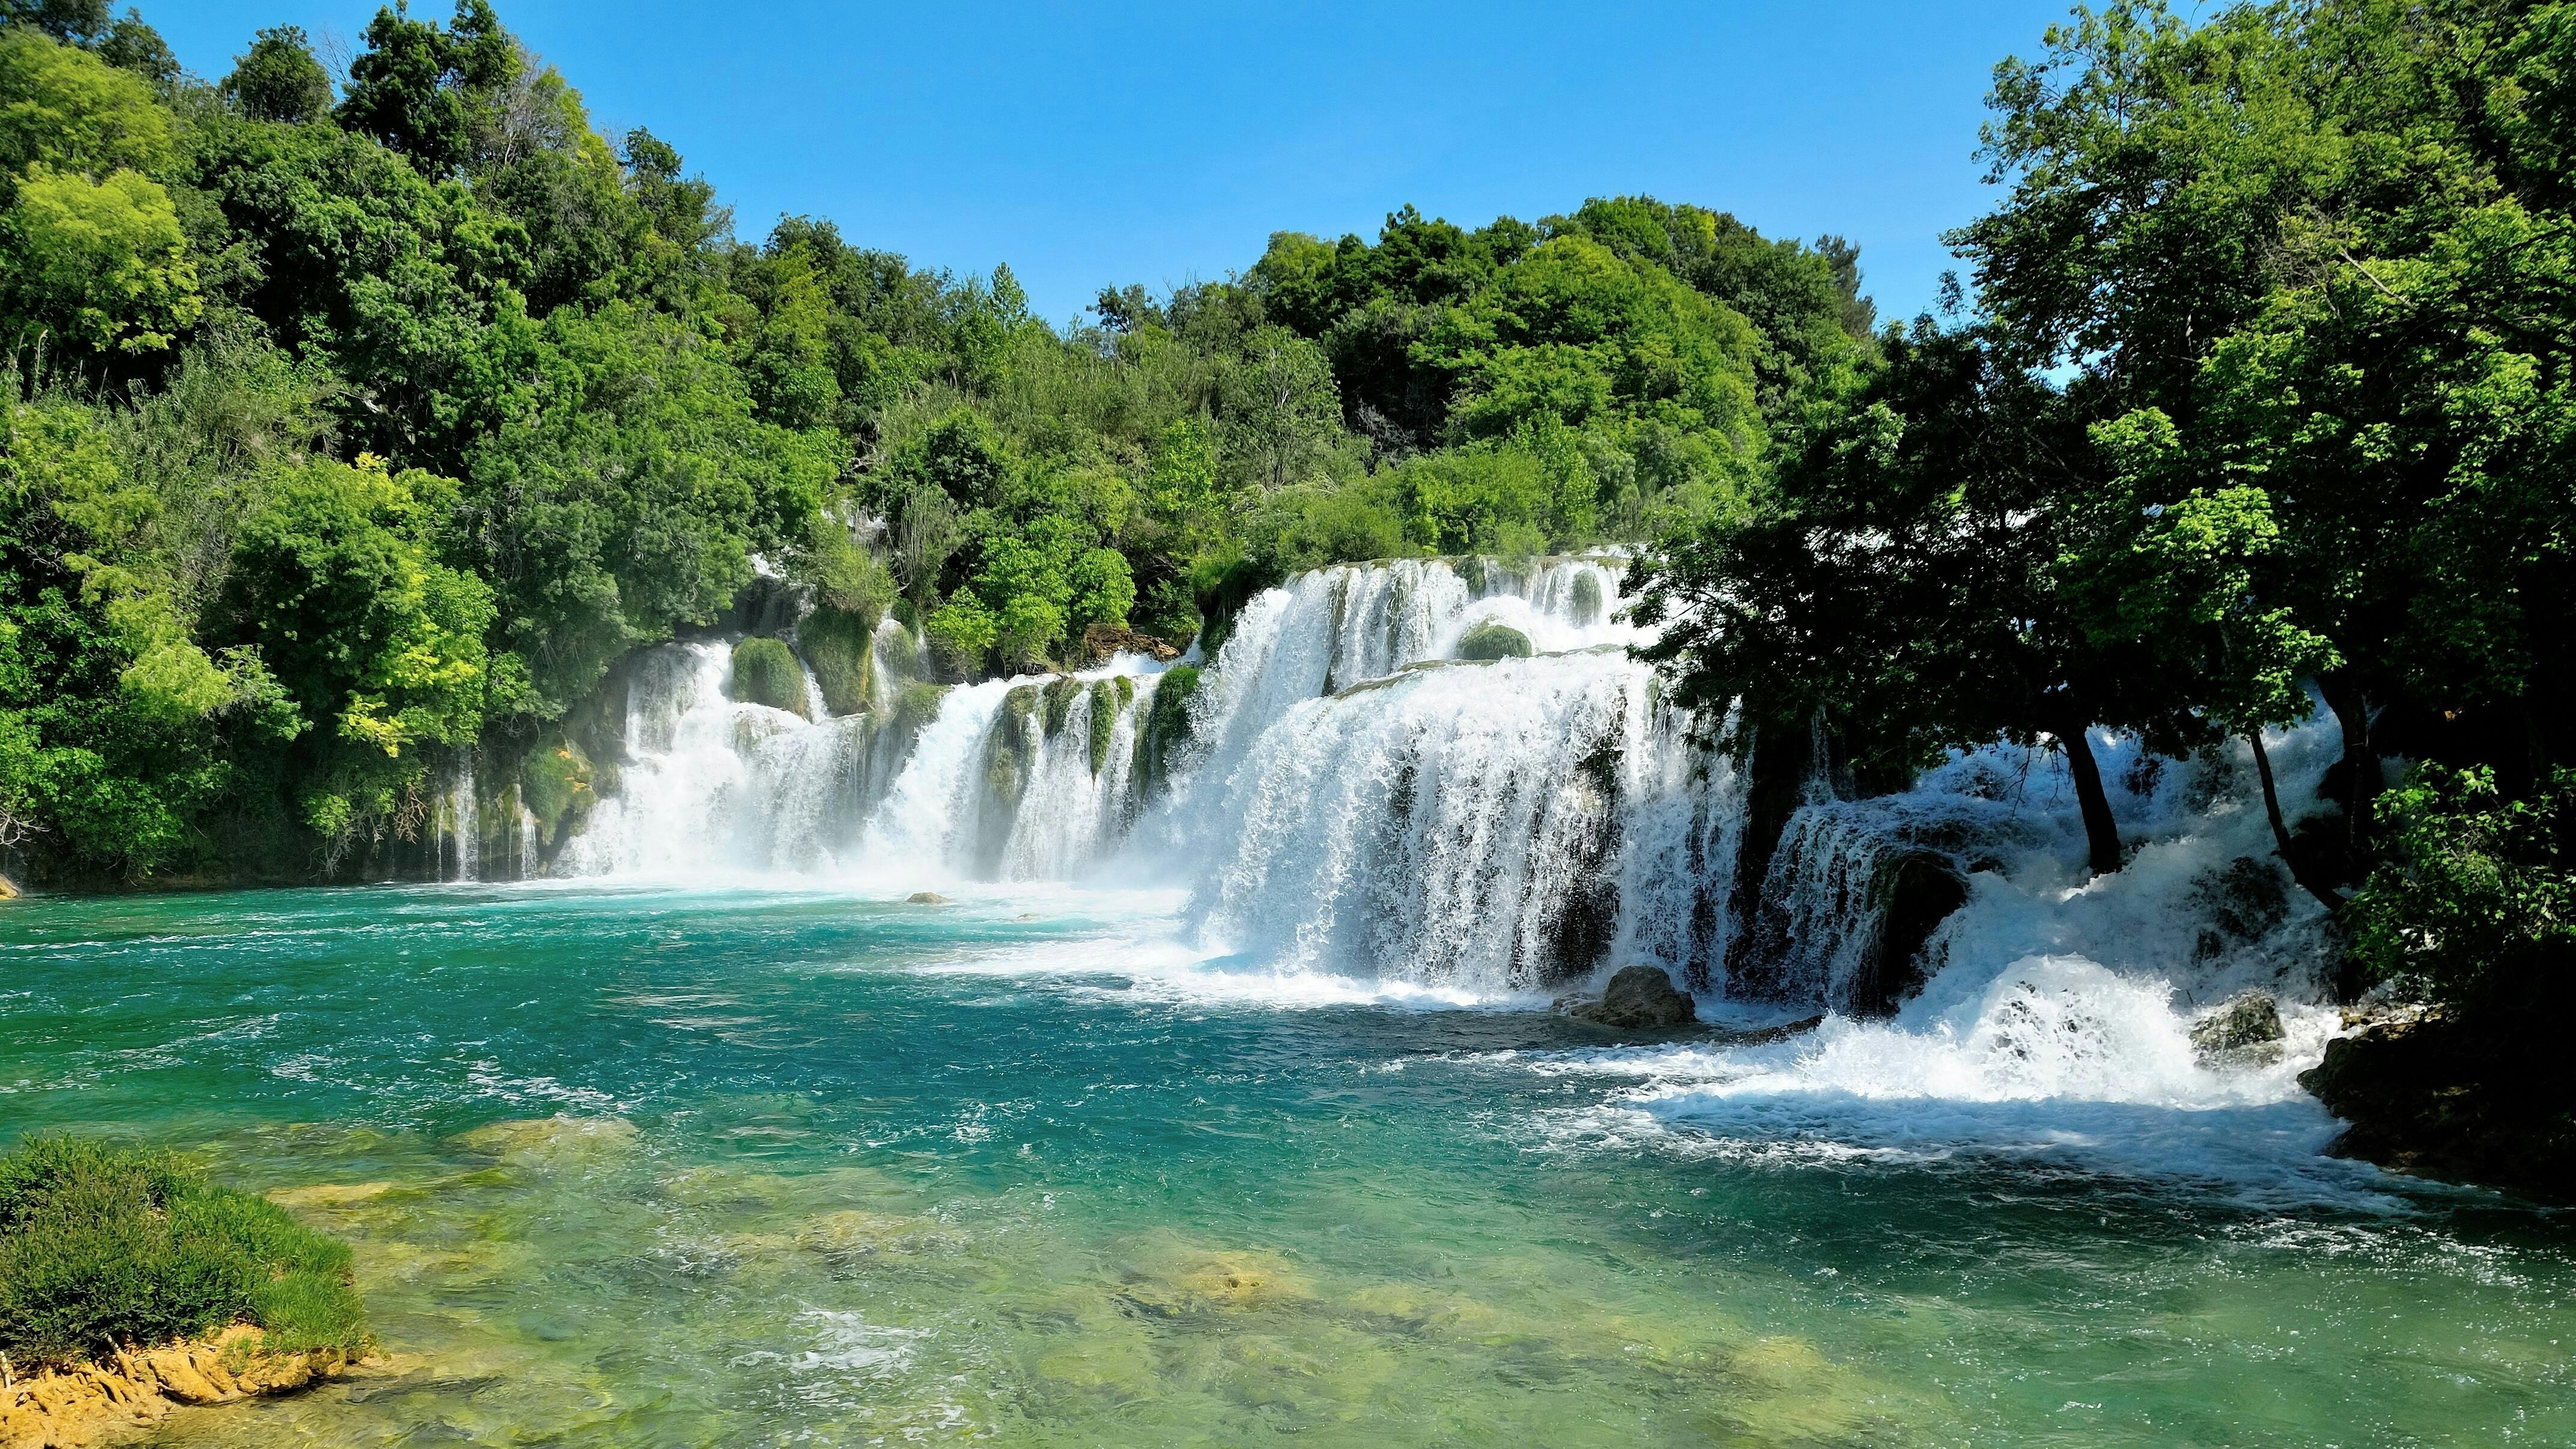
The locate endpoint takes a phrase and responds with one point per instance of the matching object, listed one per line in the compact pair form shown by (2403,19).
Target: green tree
(68,110)
(278,79)
(433,94)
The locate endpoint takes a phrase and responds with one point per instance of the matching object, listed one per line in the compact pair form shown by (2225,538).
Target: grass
(103,1247)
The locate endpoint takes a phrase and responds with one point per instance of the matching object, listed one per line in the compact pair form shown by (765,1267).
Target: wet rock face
(2430,1096)
(2246,1031)
(1923,888)
(1639,996)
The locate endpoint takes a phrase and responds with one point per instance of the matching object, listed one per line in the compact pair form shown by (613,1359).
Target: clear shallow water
(650,1167)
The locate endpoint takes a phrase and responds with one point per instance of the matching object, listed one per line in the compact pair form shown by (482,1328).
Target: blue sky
(1163,143)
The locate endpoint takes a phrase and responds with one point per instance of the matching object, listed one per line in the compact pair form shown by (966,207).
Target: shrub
(1492,640)
(2477,899)
(559,786)
(765,672)
(102,1247)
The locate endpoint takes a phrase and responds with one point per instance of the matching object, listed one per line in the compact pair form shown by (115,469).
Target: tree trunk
(2290,856)
(2101,832)
(2362,781)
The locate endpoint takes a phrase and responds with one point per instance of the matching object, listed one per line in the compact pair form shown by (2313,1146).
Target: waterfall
(460,827)
(1341,794)
(715,784)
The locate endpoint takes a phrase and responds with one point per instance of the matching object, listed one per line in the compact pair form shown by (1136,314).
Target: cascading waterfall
(1344,796)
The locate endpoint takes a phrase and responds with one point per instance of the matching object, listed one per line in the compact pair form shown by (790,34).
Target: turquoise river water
(654,1167)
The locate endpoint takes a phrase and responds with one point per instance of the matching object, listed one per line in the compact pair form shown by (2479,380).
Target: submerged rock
(1638,996)
(1491,640)
(549,1141)
(926,898)
(2244,1031)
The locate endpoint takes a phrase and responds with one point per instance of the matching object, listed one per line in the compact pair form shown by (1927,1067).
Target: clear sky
(1162,143)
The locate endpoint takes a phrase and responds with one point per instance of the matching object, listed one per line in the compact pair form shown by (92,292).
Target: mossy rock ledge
(765,672)
(839,646)
(1491,640)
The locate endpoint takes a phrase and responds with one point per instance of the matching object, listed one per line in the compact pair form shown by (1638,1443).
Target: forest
(355,422)
(358,421)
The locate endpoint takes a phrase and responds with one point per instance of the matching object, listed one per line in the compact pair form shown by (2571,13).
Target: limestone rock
(926,898)
(94,1402)
(1638,996)
(2245,1031)
(1100,641)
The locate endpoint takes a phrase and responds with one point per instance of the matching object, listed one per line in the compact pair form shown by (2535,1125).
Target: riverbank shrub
(2476,899)
(104,1246)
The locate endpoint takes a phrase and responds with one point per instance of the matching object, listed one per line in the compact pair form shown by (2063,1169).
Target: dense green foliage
(354,421)
(103,1248)
(2268,397)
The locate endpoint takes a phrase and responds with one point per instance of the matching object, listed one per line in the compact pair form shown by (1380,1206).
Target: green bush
(765,672)
(1492,640)
(559,786)
(102,1247)
(2477,899)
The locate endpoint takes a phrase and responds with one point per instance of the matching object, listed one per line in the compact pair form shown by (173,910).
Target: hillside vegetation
(356,421)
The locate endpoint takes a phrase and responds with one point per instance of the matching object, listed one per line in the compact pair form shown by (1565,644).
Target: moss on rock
(1492,640)
(558,785)
(1060,695)
(1587,598)
(917,704)
(838,645)
(765,672)
(1166,726)
(1106,701)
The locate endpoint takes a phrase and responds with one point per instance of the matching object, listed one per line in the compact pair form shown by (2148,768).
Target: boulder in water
(926,898)
(2245,1031)
(1922,888)
(1492,640)
(1638,996)
(2426,1094)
